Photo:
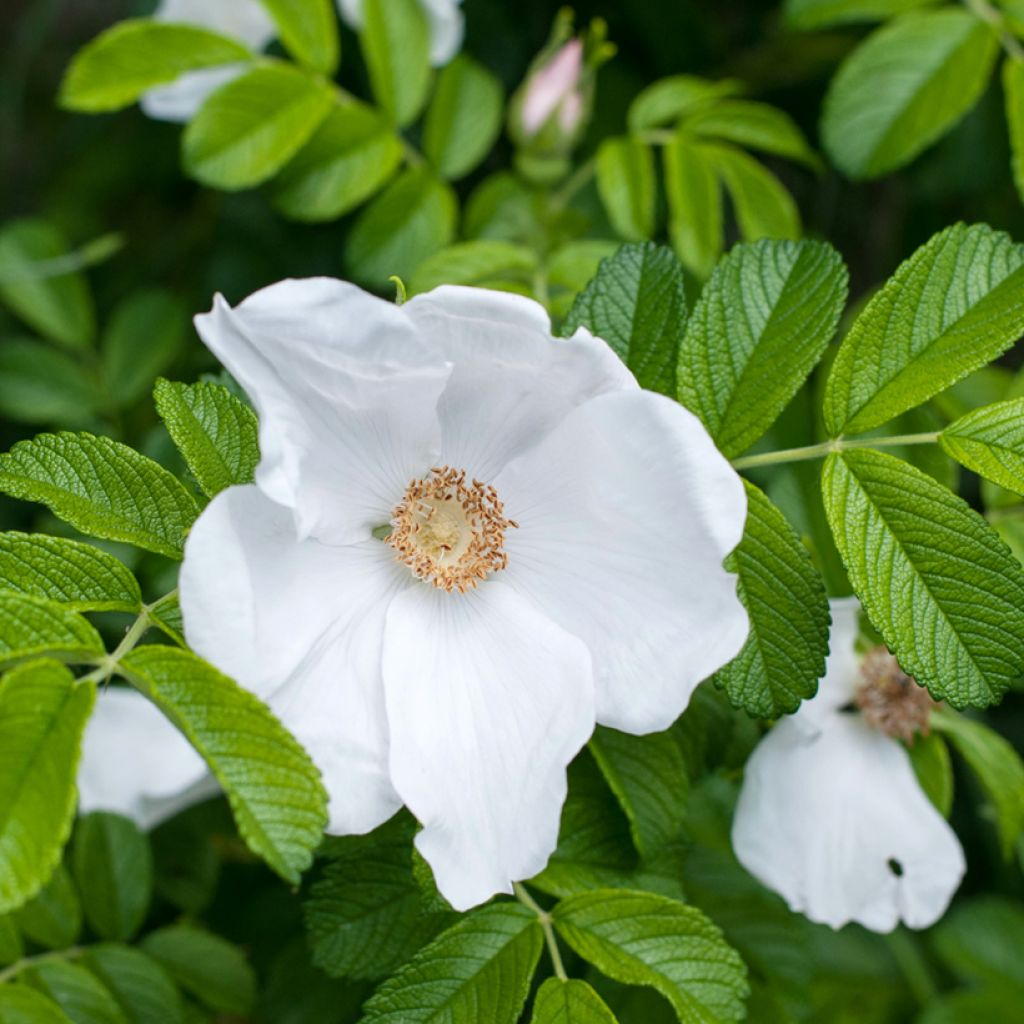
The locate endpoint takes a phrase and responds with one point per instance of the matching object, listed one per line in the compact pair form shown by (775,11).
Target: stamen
(450,532)
(890,700)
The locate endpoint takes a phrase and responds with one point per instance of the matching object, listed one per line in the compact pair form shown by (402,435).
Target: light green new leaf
(32,626)
(53,917)
(20,1004)
(477,970)
(130,58)
(250,128)
(217,435)
(668,99)
(694,196)
(464,117)
(141,987)
(273,787)
(1013,93)
(933,767)
(309,31)
(784,655)
(952,307)
(569,1002)
(350,157)
(626,184)
(101,487)
(42,717)
(935,579)
(77,992)
(638,938)
(991,442)
(904,87)
(763,207)
(482,263)
(637,303)
(395,39)
(810,14)
(77,575)
(760,327)
(980,942)
(41,385)
(998,767)
(58,307)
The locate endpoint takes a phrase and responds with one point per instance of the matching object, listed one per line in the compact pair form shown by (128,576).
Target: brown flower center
(891,700)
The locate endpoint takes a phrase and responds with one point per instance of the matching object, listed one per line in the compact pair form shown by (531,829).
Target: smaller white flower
(136,763)
(444,17)
(831,815)
(245,20)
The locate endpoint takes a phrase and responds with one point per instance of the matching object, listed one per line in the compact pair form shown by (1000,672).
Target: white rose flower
(555,557)
(831,814)
(444,18)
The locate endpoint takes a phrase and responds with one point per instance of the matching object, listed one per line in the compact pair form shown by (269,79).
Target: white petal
(444,17)
(179,101)
(347,392)
(300,624)
(136,763)
(626,511)
(248,21)
(488,701)
(511,381)
(821,817)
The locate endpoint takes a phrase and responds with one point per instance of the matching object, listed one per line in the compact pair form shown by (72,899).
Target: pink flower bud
(554,86)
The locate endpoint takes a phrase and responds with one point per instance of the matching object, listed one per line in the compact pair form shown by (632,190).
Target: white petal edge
(248,21)
(488,701)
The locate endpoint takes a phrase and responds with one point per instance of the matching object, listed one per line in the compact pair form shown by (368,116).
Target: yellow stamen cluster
(450,531)
(891,700)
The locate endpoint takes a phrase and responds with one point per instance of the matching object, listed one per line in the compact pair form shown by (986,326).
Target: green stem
(576,181)
(40,958)
(912,965)
(839,444)
(993,16)
(546,926)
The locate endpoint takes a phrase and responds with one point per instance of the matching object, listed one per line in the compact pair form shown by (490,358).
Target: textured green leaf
(1013,93)
(569,1002)
(217,434)
(141,987)
(102,488)
(571,267)
(31,626)
(904,87)
(38,384)
(251,127)
(130,58)
(483,263)
(952,307)
(753,126)
(784,655)
(42,718)
(309,31)
(395,38)
(642,939)
(464,117)
(694,197)
(668,99)
(934,770)
(991,442)
(934,578)
(273,787)
(809,14)
(477,970)
(77,992)
(350,157)
(763,207)
(165,614)
(75,574)
(980,941)
(53,917)
(20,1004)
(637,303)
(760,326)
(627,186)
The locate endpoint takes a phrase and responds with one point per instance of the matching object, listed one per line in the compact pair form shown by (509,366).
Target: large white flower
(831,814)
(444,19)
(555,557)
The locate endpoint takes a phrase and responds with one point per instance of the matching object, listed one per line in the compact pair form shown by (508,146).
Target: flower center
(891,700)
(450,531)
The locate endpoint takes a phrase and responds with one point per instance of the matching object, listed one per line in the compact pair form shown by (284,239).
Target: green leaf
(810,14)
(478,970)
(626,184)
(904,87)
(395,38)
(11,946)
(132,57)
(366,914)
(42,718)
(53,917)
(637,303)
(141,987)
(980,941)
(70,572)
(32,626)
(1013,93)
(102,488)
(409,221)
(350,157)
(217,435)
(934,770)
(763,207)
(934,578)
(206,966)
(753,126)
(273,787)
(20,1004)
(464,117)
(642,939)
(485,264)
(41,385)
(969,1006)
(145,333)
(668,99)
(309,31)
(571,267)
(569,1002)
(997,765)
(991,442)
(952,307)
(114,870)
(760,327)
(694,197)
(784,655)
(165,614)
(60,307)
(250,128)
(77,992)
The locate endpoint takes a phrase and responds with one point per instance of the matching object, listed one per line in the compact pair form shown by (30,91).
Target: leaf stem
(546,926)
(839,444)
(993,16)
(39,958)
(912,965)
(576,181)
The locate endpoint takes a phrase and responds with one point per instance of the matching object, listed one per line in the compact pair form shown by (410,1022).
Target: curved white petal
(823,820)
(445,18)
(488,701)
(248,21)
(136,763)
(511,381)
(626,511)
(300,624)
(347,392)
(180,100)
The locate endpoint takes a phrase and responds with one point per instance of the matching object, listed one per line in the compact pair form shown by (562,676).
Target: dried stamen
(890,700)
